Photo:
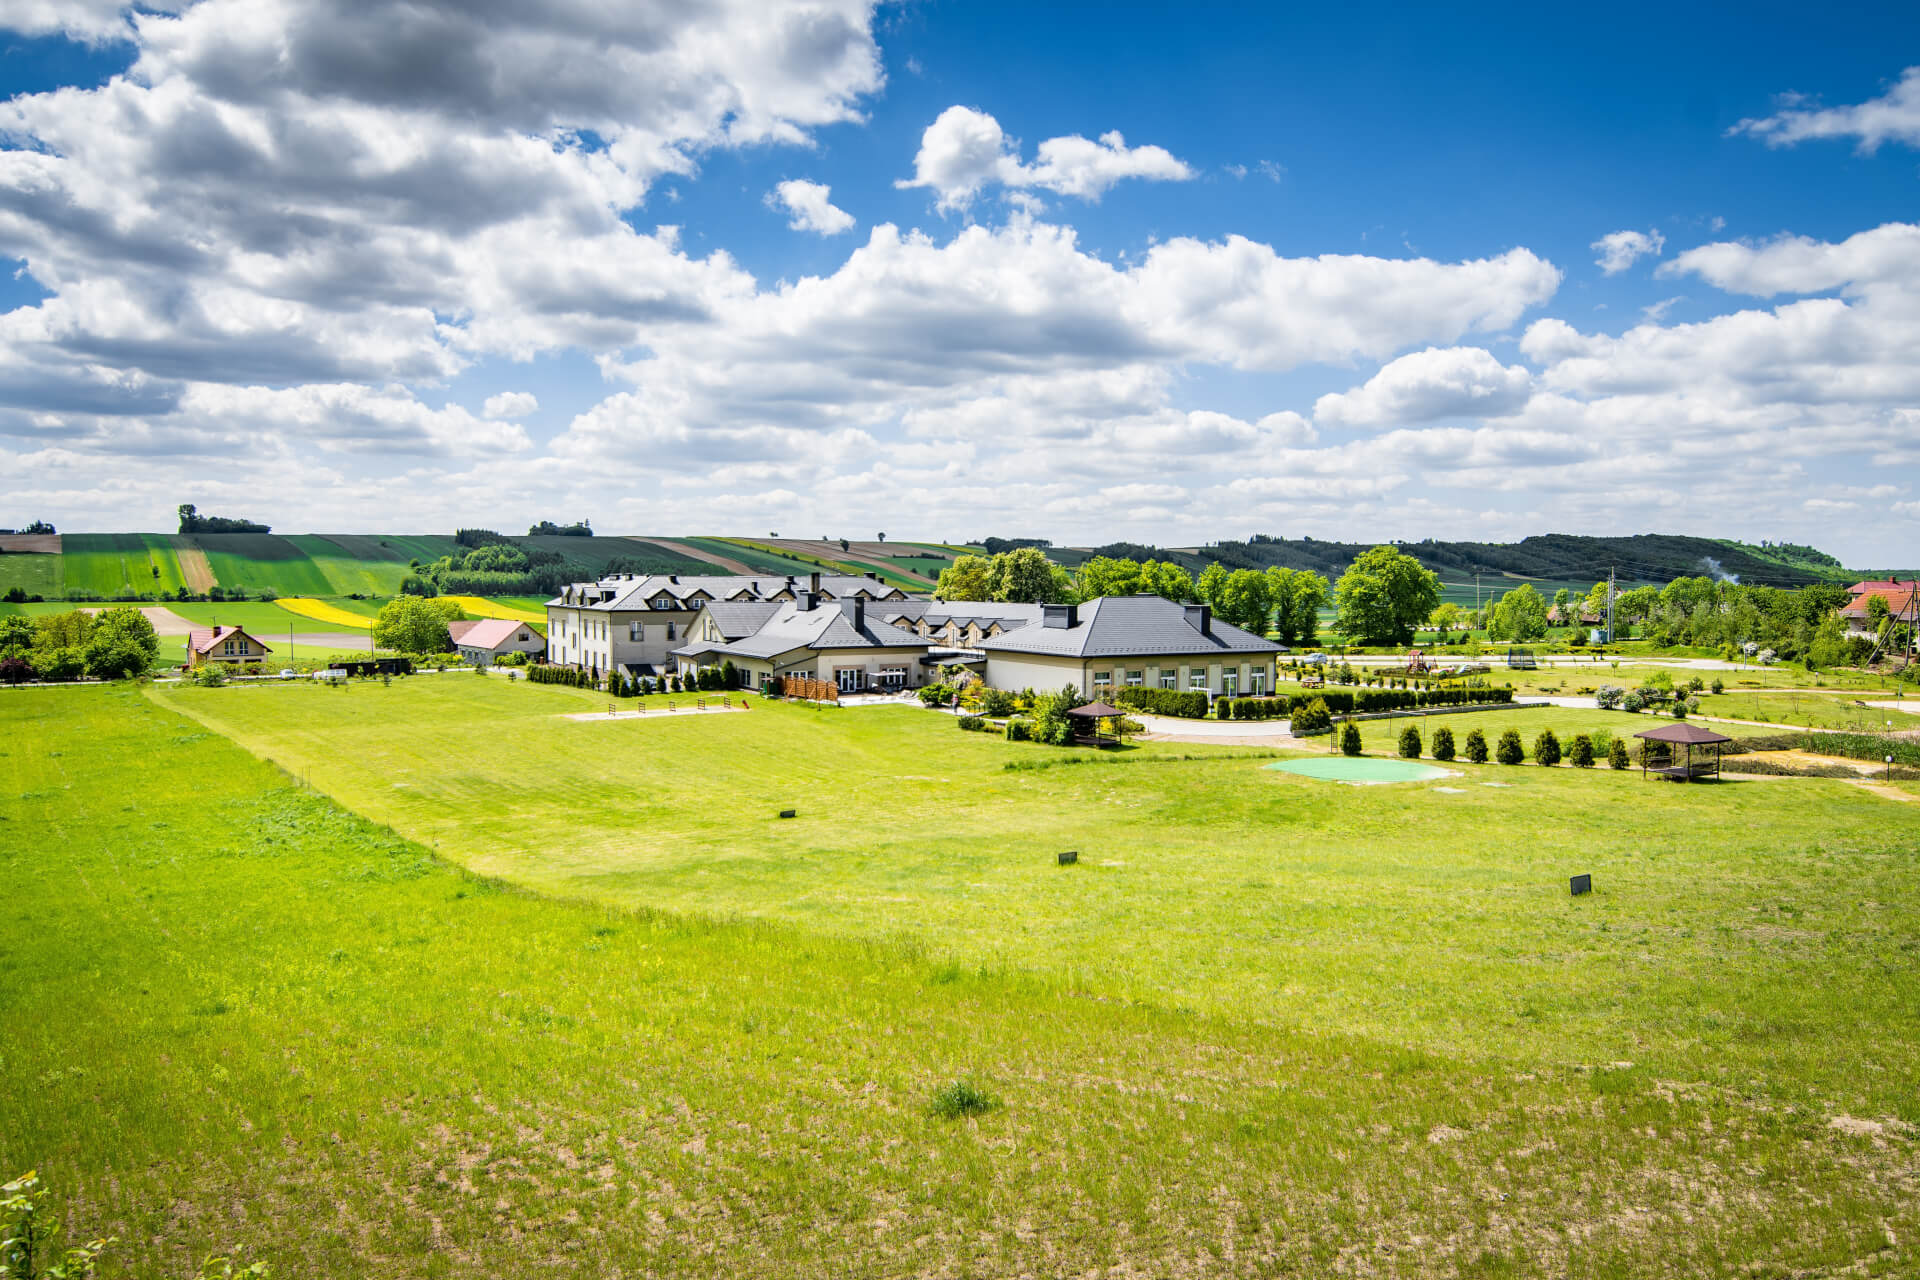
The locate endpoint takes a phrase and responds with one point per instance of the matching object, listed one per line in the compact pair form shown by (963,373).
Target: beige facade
(229,646)
(1224,675)
(851,670)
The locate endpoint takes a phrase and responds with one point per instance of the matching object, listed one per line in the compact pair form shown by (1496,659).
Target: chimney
(673,578)
(855,611)
(1200,618)
(808,600)
(813,582)
(1061,617)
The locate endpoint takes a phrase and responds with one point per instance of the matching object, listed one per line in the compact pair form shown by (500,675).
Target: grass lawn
(1266,1026)
(253,561)
(1814,709)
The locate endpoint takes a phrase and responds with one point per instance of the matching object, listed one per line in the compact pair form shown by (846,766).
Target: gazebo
(1660,758)
(1087,724)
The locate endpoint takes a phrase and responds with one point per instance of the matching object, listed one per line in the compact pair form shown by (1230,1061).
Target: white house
(1120,641)
(635,622)
(808,638)
(482,643)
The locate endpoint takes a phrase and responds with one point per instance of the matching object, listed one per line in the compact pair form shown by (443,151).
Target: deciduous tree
(1384,595)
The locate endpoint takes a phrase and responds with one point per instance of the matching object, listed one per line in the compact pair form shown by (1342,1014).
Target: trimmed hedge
(1189,704)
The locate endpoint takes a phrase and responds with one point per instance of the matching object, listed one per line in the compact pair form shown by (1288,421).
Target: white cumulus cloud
(810,207)
(1892,117)
(964,151)
(1426,385)
(509,404)
(1619,250)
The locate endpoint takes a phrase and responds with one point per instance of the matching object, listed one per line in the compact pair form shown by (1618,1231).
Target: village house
(482,643)
(1131,641)
(808,638)
(1855,615)
(229,645)
(633,623)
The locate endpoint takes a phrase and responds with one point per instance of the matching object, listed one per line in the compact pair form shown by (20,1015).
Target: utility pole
(1610,635)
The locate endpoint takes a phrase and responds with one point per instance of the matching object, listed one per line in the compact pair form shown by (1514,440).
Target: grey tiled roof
(738,619)
(1129,626)
(632,592)
(825,627)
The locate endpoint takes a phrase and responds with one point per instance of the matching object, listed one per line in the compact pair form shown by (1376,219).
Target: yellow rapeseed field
(480,607)
(321,611)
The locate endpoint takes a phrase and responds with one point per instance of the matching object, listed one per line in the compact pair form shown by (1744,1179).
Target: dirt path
(165,621)
(195,570)
(697,553)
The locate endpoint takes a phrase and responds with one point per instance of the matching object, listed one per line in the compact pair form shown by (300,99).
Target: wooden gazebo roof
(1694,734)
(1097,711)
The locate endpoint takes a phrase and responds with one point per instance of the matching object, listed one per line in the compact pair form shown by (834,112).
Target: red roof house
(225,644)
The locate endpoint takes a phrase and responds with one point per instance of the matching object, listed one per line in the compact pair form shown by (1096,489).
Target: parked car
(1316,659)
(288,673)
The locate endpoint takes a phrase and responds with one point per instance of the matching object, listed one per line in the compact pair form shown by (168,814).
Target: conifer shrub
(1510,751)
(1410,743)
(1443,743)
(1546,749)
(1477,747)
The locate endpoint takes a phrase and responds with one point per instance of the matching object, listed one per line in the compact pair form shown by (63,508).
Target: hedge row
(573,677)
(1189,704)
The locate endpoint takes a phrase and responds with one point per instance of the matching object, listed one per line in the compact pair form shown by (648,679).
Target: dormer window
(663,602)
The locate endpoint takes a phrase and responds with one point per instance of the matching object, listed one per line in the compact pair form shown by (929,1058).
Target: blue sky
(346,267)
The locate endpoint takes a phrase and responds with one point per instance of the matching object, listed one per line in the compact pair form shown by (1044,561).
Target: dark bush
(1477,747)
(1546,749)
(1443,743)
(996,703)
(1510,751)
(1312,718)
(1580,755)
(1350,739)
(973,724)
(1410,743)
(1019,731)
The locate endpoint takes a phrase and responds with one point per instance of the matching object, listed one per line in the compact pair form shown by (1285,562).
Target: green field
(1813,709)
(1267,1026)
(111,563)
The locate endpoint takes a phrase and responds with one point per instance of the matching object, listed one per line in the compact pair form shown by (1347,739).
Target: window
(1103,679)
(1135,679)
(669,631)
(1229,682)
(663,602)
(228,651)
(1198,679)
(1169,678)
(636,632)
(1257,684)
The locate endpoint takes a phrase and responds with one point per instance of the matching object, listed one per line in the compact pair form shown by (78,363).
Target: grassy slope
(1231,890)
(836,563)
(108,563)
(353,572)
(251,561)
(759,558)
(33,573)
(260,1020)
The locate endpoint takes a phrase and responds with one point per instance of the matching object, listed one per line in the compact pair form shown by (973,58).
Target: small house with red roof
(229,645)
(482,643)
(1900,598)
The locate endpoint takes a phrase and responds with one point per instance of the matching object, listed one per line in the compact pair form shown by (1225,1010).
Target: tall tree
(1384,595)
(410,624)
(1521,614)
(1168,579)
(967,578)
(1244,600)
(1024,575)
(123,644)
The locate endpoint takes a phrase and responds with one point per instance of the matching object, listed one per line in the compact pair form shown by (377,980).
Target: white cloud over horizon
(1892,117)
(810,207)
(1621,249)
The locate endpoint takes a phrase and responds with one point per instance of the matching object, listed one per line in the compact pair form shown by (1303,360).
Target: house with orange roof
(229,645)
(1901,605)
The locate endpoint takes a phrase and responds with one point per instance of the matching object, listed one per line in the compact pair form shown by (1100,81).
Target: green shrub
(1546,749)
(1633,701)
(1019,731)
(961,1098)
(997,703)
(1443,743)
(1718,685)
(1187,704)
(1410,743)
(1315,717)
(1510,751)
(936,695)
(211,675)
(973,724)
(1350,739)
(1477,747)
(1580,755)
(1617,755)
